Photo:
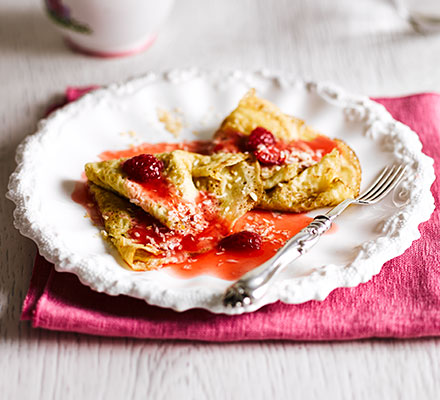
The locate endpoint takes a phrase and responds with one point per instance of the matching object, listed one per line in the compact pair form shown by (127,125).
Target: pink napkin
(402,301)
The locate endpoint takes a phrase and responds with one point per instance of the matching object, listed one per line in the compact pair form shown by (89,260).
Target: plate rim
(315,286)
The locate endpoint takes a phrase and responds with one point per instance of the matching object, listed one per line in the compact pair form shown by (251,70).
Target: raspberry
(244,240)
(258,137)
(190,243)
(143,168)
(270,155)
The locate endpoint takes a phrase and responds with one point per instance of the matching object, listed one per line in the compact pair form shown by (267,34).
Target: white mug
(423,15)
(108,28)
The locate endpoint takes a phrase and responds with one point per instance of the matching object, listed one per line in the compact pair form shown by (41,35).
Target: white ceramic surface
(52,160)
(109,27)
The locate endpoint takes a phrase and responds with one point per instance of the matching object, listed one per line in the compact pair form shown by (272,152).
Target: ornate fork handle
(253,285)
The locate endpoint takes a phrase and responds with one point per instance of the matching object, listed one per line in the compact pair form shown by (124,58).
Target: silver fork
(254,285)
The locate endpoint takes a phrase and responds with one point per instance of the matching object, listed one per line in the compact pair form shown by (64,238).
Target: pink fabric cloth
(402,301)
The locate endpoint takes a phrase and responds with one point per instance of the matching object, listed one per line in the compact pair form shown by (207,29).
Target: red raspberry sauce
(231,265)
(274,228)
(195,146)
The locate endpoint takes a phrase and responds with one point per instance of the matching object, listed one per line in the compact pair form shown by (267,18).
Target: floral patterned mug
(108,28)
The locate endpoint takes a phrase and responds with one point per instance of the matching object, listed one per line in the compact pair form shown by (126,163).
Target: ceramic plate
(52,160)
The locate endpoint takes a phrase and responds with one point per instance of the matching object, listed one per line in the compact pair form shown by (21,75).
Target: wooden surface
(362,46)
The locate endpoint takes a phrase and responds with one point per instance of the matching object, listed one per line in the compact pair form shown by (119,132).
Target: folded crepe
(318,171)
(142,242)
(194,191)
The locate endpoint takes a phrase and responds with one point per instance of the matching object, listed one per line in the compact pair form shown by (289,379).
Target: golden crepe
(253,112)
(198,198)
(310,179)
(124,225)
(193,187)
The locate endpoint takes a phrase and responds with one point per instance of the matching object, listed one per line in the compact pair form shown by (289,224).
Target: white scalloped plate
(51,160)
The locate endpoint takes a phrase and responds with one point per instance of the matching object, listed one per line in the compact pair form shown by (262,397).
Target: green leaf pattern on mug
(60,14)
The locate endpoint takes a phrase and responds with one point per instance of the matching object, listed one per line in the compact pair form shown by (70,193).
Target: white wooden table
(361,45)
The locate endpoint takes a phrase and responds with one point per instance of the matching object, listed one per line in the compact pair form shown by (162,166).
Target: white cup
(423,15)
(108,28)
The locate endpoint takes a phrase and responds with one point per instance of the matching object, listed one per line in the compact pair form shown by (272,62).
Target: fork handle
(254,284)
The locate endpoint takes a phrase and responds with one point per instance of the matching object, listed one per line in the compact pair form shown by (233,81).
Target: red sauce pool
(195,146)
(157,189)
(275,229)
(82,195)
(321,145)
(235,141)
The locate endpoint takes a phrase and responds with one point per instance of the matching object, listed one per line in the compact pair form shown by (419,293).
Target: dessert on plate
(167,207)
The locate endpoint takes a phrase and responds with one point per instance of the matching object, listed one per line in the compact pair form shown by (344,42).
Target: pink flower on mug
(57,7)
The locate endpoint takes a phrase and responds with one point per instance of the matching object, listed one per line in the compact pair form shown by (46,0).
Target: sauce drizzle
(275,228)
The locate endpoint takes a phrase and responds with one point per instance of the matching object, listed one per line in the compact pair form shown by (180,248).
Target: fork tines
(387,180)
